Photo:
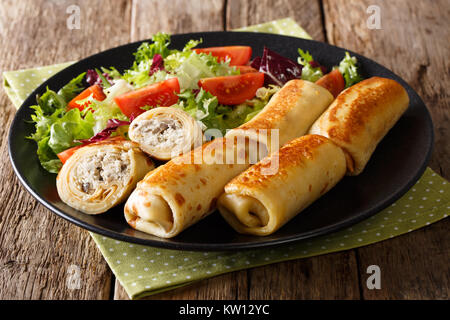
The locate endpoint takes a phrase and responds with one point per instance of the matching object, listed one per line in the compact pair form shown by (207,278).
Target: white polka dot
(359,239)
(407,205)
(247,262)
(395,228)
(118,261)
(195,269)
(180,267)
(166,264)
(160,272)
(188,277)
(131,246)
(145,269)
(382,225)
(132,265)
(341,244)
(431,214)
(400,220)
(228,267)
(214,264)
(117,242)
(111,249)
(168,281)
(441,191)
(147,287)
(139,258)
(125,274)
(424,198)
(413,221)
(151,261)
(208,272)
(158,253)
(139,277)
(174,274)
(364,231)
(124,253)
(34,75)
(266,258)
(154,279)
(305,252)
(430,182)
(186,259)
(438,200)
(171,257)
(378,234)
(200,262)
(144,250)
(427,223)
(133,284)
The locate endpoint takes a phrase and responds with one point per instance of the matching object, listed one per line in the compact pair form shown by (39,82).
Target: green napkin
(143,271)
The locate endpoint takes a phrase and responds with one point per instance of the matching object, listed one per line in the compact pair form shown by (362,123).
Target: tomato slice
(163,94)
(246,69)
(333,81)
(231,90)
(66,154)
(239,55)
(97,93)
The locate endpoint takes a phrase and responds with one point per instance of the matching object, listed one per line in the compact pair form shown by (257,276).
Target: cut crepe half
(101,175)
(165,132)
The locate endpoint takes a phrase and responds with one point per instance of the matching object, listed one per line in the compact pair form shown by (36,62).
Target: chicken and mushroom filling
(160,133)
(102,169)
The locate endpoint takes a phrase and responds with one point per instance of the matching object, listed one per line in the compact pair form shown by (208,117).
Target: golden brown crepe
(165,133)
(259,204)
(184,190)
(291,111)
(361,116)
(101,175)
(177,195)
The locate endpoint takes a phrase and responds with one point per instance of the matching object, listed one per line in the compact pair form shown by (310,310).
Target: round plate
(398,161)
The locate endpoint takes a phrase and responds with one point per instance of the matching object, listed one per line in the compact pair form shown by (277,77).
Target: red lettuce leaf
(111,126)
(157,64)
(277,69)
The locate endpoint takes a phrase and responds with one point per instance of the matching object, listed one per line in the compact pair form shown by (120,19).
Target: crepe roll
(361,116)
(258,204)
(165,132)
(288,115)
(184,190)
(101,175)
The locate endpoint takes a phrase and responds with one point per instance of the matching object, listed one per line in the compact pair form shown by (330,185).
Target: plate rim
(192,246)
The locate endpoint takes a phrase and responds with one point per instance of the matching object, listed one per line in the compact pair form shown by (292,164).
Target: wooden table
(37,248)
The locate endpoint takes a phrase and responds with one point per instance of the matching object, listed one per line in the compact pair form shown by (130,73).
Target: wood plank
(332,276)
(175,16)
(414,266)
(38,248)
(306,13)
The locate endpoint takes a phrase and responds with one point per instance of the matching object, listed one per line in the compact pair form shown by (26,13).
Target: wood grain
(409,42)
(306,13)
(38,248)
(175,16)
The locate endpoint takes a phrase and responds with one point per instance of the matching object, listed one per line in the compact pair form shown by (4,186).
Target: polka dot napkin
(145,270)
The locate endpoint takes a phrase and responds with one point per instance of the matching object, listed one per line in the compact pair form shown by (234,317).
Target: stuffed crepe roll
(361,116)
(165,132)
(259,204)
(184,190)
(101,175)
(290,113)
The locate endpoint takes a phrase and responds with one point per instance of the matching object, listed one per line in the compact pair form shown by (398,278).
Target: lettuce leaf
(204,107)
(311,71)
(349,70)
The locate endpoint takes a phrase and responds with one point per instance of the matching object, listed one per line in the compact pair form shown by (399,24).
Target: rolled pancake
(101,175)
(361,116)
(291,111)
(258,204)
(185,189)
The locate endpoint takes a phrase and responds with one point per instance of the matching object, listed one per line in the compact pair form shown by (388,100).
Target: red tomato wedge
(231,90)
(246,69)
(163,94)
(97,93)
(66,154)
(238,55)
(333,81)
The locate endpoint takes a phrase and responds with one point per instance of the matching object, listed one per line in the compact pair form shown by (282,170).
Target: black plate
(396,165)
